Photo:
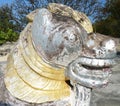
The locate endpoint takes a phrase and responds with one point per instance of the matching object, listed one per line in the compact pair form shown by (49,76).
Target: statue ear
(41,22)
(43,17)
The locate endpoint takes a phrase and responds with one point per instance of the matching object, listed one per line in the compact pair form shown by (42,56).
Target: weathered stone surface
(79,17)
(6,48)
(110,95)
(106,102)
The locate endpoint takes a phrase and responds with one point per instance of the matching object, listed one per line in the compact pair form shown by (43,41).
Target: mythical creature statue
(58,46)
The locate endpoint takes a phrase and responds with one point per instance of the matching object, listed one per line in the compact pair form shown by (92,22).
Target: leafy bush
(9,35)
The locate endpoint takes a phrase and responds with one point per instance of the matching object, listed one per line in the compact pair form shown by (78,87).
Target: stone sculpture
(56,51)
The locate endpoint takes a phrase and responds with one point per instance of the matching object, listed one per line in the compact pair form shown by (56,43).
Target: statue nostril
(109,44)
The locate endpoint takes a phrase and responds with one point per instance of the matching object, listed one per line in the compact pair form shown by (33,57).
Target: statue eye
(72,38)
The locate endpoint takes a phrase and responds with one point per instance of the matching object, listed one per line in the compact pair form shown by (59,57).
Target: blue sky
(2,2)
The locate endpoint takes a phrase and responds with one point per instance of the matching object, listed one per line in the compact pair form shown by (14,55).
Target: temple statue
(57,59)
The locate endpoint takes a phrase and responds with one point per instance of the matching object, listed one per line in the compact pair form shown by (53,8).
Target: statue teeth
(94,62)
(89,61)
(84,60)
(107,63)
(101,63)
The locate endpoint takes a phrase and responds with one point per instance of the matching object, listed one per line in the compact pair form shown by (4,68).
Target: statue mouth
(98,63)
(90,72)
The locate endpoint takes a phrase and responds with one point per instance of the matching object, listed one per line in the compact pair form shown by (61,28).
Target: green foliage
(10,36)
(108,26)
(113,8)
(8,27)
(109,22)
